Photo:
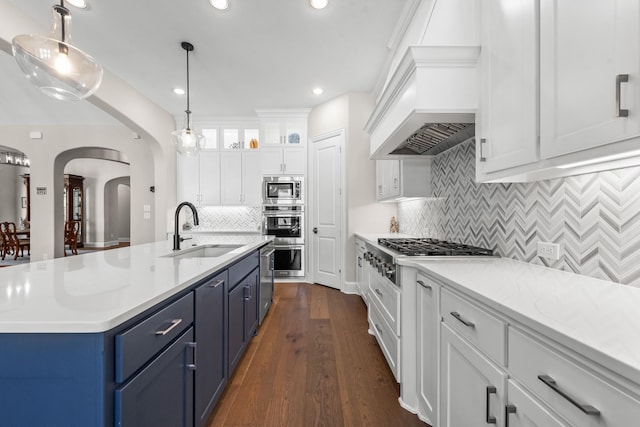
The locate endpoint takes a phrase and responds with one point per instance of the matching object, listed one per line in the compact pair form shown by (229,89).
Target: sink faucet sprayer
(176,235)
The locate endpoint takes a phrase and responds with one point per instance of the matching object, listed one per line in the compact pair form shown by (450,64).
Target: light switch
(147,208)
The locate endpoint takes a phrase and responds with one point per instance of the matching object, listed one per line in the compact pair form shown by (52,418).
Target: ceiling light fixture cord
(188,47)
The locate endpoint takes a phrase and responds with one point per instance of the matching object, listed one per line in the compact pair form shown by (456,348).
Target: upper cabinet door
(507,132)
(586,50)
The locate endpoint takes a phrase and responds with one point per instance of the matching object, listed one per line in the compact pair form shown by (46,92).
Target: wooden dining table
(24,232)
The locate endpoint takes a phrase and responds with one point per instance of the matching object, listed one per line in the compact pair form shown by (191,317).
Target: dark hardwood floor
(313,364)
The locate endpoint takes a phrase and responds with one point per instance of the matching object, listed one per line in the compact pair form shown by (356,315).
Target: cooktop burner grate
(432,247)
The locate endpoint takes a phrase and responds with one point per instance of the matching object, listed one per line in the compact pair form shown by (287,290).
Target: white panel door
(584,47)
(326,243)
(508,117)
(188,179)
(209,177)
(251,179)
(295,161)
(524,411)
(231,178)
(472,389)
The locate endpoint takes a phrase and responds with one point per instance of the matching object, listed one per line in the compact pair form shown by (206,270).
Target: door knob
(315,230)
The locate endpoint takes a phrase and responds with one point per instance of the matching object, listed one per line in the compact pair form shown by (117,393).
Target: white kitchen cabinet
(584,49)
(472,388)
(524,411)
(241,178)
(401,179)
(574,389)
(427,333)
(199,178)
(240,136)
(362,282)
(283,130)
(507,121)
(284,161)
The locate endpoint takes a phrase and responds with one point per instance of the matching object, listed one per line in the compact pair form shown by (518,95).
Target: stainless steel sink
(203,251)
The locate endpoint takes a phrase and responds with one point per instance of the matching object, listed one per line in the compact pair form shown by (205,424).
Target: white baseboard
(350,288)
(124,240)
(101,244)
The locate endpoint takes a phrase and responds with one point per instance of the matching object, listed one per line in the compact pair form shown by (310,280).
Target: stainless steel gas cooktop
(432,247)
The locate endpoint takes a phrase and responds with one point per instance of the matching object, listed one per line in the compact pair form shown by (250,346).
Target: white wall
(350,112)
(11,192)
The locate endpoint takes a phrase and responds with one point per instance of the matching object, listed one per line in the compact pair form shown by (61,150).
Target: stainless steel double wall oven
(283,217)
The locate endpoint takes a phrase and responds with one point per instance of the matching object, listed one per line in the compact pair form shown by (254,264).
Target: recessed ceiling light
(80,4)
(220,4)
(318,91)
(319,4)
(178,91)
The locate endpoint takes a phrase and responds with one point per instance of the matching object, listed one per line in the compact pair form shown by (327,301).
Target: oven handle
(276,247)
(267,253)
(282,214)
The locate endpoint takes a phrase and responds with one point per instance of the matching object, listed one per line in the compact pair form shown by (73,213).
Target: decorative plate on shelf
(294,138)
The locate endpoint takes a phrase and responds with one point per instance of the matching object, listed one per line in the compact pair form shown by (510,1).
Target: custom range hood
(428,105)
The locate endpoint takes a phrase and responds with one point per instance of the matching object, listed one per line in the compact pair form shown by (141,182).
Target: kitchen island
(98,339)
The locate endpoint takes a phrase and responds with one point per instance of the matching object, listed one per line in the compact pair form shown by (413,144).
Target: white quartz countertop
(97,291)
(593,317)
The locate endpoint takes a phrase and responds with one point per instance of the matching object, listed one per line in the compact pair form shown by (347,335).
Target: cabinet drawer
(532,363)
(387,339)
(387,296)
(482,329)
(239,270)
(135,346)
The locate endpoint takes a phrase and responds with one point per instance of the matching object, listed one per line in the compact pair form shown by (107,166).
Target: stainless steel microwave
(282,190)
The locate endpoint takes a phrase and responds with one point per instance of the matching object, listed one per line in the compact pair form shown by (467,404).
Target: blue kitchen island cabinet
(160,358)
(243,303)
(211,321)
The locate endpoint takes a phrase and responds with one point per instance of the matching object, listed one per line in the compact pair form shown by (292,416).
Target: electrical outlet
(549,250)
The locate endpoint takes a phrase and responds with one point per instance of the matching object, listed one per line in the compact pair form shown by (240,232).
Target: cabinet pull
(490,390)
(462,320)
(215,285)
(380,190)
(482,142)
(379,292)
(508,409)
(192,366)
(247,295)
(551,383)
(421,283)
(174,323)
(378,328)
(395,183)
(621,78)
(284,168)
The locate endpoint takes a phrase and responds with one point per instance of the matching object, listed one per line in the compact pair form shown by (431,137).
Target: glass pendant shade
(188,142)
(53,65)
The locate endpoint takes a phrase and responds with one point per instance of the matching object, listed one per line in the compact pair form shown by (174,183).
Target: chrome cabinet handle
(508,409)
(395,182)
(378,328)
(482,142)
(378,292)
(380,189)
(247,288)
(192,366)
(174,323)
(421,283)
(215,285)
(462,320)
(551,383)
(621,78)
(489,418)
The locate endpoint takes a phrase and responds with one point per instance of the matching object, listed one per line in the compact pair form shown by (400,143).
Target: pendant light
(188,141)
(53,64)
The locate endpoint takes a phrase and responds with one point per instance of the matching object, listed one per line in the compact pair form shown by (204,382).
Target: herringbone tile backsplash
(595,217)
(227,218)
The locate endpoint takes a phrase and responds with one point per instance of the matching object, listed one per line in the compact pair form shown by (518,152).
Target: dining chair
(15,243)
(4,244)
(71,229)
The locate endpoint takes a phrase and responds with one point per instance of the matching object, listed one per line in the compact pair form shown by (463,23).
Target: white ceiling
(257,54)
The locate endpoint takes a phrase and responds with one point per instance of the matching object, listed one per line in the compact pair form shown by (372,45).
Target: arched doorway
(96,167)
(117,202)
